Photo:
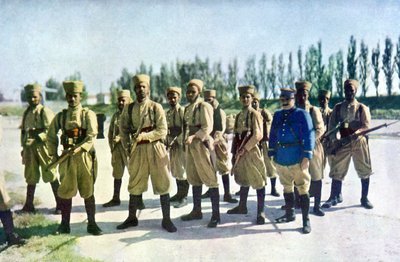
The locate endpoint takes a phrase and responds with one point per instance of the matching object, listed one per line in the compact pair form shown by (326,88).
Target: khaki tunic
(358,149)
(326,114)
(221,147)
(34,150)
(148,158)
(119,158)
(199,168)
(317,161)
(78,171)
(176,152)
(250,168)
(267,121)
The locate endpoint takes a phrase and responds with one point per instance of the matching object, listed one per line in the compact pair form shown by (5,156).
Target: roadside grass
(41,243)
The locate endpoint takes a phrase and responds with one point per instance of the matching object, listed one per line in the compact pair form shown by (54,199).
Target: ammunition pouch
(194,129)
(72,137)
(33,133)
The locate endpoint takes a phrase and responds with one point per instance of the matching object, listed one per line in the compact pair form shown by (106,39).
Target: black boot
(364,194)
(165,208)
(227,194)
(183,188)
(215,217)
(242,207)
(30,194)
(332,200)
(206,194)
(54,187)
(196,211)
(273,187)
(296,200)
(8,225)
(339,197)
(140,203)
(132,220)
(289,211)
(260,206)
(317,188)
(178,192)
(115,201)
(90,207)
(305,206)
(65,206)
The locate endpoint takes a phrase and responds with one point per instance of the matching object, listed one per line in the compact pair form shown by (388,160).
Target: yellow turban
(30,88)
(303,85)
(256,96)
(124,93)
(248,89)
(141,78)
(210,93)
(197,83)
(71,87)
(351,82)
(324,93)
(175,89)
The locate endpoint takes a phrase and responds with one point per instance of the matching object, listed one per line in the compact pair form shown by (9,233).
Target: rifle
(67,153)
(336,145)
(241,146)
(170,144)
(333,130)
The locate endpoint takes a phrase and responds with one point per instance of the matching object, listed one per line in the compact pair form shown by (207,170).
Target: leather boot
(332,200)
(140,203)
(30,194)
(297,204)
(90,207)
(115,201)
(242,207)
(305,206)
(289,211)
(165,208)
(273,187)
(227,194)
(196,211)
(65,206)
(183,188)
(260,206)
(339,196)
(8,225)
(317,188)
(132,220)
(364,194)
(54,187)
(215,217)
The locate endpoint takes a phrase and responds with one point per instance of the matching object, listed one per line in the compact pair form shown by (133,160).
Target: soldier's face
(142,91)
(350,92)
(323,101)
(255,104)
(173,98)
(73,99)
(122,101)
(286,102)
(301,97)
(246,99)
(33,98)
(192,93)
(209,99)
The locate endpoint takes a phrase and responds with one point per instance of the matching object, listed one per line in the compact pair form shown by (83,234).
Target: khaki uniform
(199,122)
(119,158)
(294,173)
(317,161)
(149,156)
(176,152)
(34,126)
(326,114)
(78,171)
(358,117)
(221,148)
(269,165)
(250,168)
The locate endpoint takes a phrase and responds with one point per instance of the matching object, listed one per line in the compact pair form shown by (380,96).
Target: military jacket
(199,119)
(35,123)
(175,124)
(113,131)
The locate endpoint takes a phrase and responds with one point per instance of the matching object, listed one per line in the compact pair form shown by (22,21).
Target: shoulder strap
(130,109)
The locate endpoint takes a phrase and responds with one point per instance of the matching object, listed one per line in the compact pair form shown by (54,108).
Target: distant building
(100,98)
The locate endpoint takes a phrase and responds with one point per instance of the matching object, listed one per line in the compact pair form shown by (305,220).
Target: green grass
(11,110)
(41,243)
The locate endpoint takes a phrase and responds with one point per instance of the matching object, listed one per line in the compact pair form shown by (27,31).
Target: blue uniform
(292,136)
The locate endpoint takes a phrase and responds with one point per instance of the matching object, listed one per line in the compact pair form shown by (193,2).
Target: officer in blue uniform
(292,140)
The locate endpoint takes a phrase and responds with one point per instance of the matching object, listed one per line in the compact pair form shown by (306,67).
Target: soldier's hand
(189,139)
(77,150)
(117,139)
(139,137)
(305,163)
(30,141)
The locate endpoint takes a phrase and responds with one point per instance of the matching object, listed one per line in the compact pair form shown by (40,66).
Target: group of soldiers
(190,143)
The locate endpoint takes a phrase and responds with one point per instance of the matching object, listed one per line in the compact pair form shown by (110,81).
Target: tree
(397,60)
(281,71)
(388,66)
(351,59)
(233,70)
(300,63)
(272,77)
(290,76)
(262,75)
(113,92)
(250,72)
(311,68)
(55,86)
(339,72)
(376,68)
(364,68)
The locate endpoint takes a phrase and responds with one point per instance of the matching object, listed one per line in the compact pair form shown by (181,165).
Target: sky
(43,39)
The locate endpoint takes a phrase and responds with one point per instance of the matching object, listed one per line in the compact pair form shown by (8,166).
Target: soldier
(199,124)
(119,157)
(35,123)
(292,141)
(267,120)
(247,161)
(143,126)
(78,168)
(316,163)
(323,99)
(175,145)
(354,118)
(220,144)
(6,218)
